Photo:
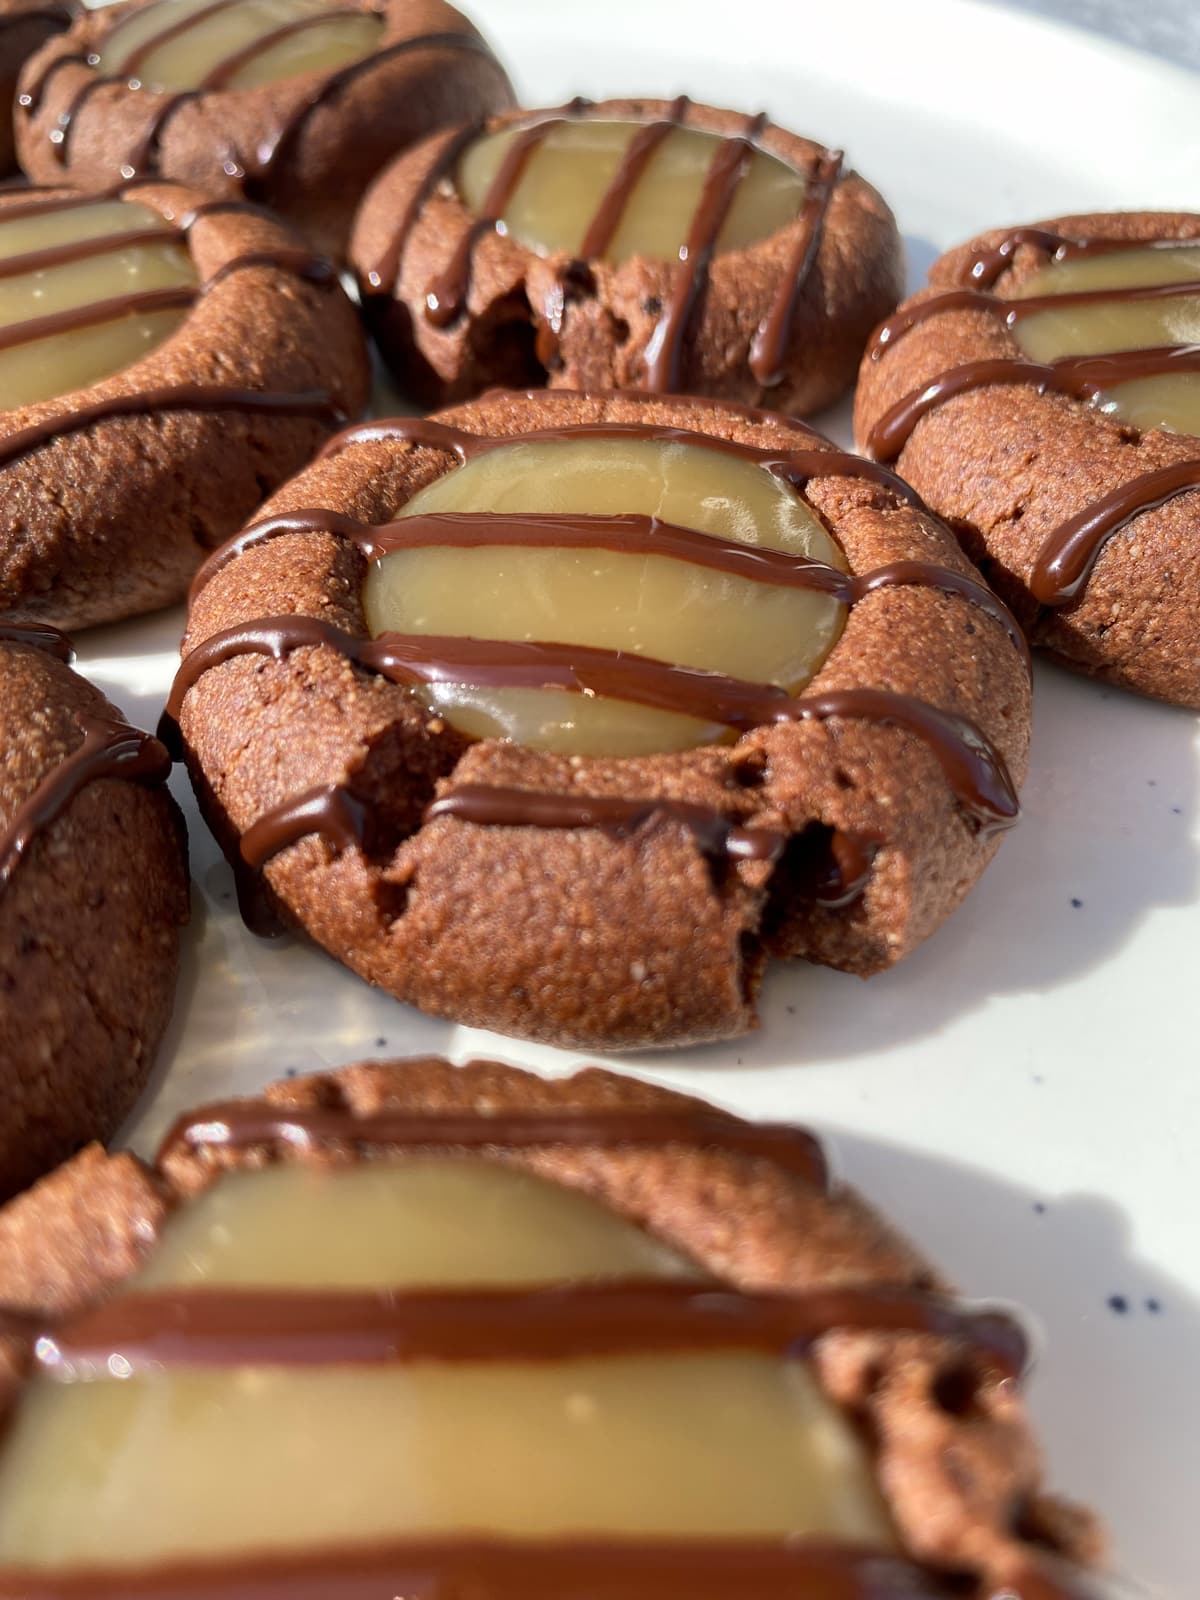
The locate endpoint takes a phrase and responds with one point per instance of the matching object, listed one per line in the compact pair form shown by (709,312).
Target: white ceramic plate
(1023,1094)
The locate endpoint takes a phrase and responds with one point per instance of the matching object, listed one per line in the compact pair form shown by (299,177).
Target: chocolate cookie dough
(573,1337)
(296,103)
(1044,396)
(166,362)
(637,244)
(93,891)
(25,25)
(562,712)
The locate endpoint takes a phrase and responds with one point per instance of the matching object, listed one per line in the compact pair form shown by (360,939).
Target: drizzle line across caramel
(555,1569)
(240,1124)
(1070,552)
(446,296)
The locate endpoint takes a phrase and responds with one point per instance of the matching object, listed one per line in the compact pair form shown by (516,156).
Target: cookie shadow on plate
(1116,1385)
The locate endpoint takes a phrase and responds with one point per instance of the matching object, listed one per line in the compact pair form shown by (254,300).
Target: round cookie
(296,103)
(168,362)
(628,898)
(25,25)
(1043,394)
(407,1212)
(93,891)
(706,252)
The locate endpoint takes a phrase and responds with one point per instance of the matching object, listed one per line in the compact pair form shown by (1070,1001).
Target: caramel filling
(1100,327)
(45,349)
(192,1460)
(666,608)
(568,174)
(236,44)
(412,1223)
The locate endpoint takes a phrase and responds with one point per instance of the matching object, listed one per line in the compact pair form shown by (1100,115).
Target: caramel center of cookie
(85,290)
(236,44)
(556,543)
(127,1462)
(1103,325)
(575,164)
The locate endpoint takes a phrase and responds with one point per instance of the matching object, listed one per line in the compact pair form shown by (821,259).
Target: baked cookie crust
(93,892)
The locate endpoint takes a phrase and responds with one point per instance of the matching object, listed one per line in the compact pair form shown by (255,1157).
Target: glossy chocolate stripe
(142,158)
(446,293)
(972,767)
(57,255)
(452,1568)
(303,264)
(241,1327)
(990,261)
(143,301)
(798,467)
(768,349)
(330,810)
(612,205)
(315,403)
(30,100)
(133,63)
(38,636)
(233,63)
(108,749)
(239,1124)
(382,276)
(1065,561)
(1011,312)
(1079,377)
(54,200)
(663,360)
(274,150)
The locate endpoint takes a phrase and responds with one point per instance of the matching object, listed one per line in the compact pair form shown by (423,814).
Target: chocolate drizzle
(107,749)
(730,164)
(330,810)
(273,151)
(446,296)
(769,347)
(281,1327)
(315,403)
(1070,551)
(243,1124)
(38,636)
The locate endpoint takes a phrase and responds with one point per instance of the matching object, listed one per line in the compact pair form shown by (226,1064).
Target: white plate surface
(1023,1095)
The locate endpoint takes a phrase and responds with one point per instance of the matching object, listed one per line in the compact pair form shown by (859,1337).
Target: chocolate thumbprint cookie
(1044,396)
(557,713)
(25,25)
(414,1329)
(166,362)
(93,890)
(295,103)
(638,244)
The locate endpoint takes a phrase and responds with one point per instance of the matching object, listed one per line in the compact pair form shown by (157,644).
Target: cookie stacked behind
(1044,396)
(296,103)
(636,244)
(410,1325)
(93,891)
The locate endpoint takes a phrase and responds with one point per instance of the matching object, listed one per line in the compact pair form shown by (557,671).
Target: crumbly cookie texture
(953,1451)
(113,494)
(307,146)
(1009,466)
(574,935)
(25,26)
(533,319)
(89,927)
